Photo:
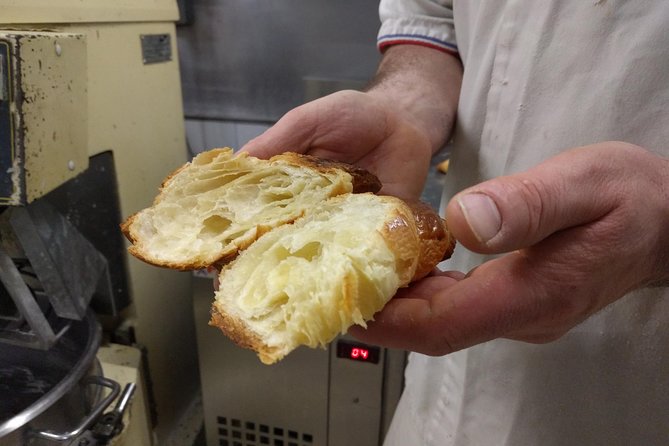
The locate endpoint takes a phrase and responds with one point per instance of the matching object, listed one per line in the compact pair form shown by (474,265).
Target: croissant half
(305,246)
(303,284)
(220,203)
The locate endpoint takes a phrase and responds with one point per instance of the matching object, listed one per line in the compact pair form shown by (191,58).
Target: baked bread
(305,246)
(220,203)
(304,283)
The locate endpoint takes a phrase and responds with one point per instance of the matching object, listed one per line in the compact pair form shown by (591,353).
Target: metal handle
(124,399)
(90,418)
(110,424)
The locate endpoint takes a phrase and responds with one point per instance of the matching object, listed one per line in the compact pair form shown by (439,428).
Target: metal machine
(90,122)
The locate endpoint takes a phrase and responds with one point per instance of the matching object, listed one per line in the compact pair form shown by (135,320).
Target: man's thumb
(518,211)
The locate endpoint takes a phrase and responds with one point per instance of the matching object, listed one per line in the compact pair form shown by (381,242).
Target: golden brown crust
(126,225)
(235,329)
(362,180)
(138,253)
(419,238)
(126,229)
(436,241)
(402,237)
(169,178)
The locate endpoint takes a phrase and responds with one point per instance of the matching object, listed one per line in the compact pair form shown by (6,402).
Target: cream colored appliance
(90,107)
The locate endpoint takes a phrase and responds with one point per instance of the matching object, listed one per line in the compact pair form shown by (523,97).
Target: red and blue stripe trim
(385,41)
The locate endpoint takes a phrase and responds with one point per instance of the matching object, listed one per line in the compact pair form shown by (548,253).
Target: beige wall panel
(53,84)
(135,110)
(78,11)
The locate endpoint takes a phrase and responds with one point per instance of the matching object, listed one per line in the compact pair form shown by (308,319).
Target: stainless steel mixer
(49,273)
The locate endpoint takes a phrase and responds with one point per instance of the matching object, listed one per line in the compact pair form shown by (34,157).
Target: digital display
(358,352)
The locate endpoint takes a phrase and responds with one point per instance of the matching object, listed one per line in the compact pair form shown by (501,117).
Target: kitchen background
(244,63)
(99,101)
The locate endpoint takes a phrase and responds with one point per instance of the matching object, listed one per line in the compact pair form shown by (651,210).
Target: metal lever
(111,423)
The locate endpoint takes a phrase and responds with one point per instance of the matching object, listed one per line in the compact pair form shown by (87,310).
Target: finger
(342,126)
(520,210)
(430,285)
(506,297)
(405,312)
(293,132)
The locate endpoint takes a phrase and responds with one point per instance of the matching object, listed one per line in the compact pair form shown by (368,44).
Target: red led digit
(360,353)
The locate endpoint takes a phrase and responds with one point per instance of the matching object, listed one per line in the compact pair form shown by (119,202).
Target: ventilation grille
(235,432)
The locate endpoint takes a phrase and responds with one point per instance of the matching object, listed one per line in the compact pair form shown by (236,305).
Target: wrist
(422,85)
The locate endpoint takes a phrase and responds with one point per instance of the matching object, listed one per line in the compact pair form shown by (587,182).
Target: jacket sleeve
(418,22)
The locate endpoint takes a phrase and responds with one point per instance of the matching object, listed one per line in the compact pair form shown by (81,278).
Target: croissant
(305,247)
(303,284)
(220,203)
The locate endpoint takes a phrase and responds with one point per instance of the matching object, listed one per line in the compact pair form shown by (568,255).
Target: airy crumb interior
(307,282)
(223,199)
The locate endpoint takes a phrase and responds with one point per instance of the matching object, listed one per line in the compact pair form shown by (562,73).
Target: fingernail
(481,214)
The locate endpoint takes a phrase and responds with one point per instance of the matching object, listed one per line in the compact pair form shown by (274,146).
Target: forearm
(424,85)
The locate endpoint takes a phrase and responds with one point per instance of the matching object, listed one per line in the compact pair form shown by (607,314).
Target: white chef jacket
(539,77)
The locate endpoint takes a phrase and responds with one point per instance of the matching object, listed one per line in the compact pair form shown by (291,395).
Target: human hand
(392,129)
(581,230)
(357,128)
